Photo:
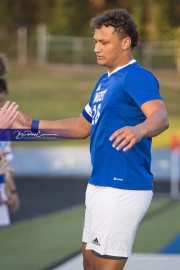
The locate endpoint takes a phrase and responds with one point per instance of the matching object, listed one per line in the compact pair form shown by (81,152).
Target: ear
(126,43)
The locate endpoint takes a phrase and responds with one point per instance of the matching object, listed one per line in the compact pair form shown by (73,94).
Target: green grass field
(51,92)
(43,241)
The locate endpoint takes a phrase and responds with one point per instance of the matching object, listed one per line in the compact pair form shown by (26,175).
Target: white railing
(80,50)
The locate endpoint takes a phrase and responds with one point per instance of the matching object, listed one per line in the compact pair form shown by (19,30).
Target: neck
(124,63)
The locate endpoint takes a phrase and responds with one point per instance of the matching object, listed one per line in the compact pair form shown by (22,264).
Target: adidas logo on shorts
(96,242)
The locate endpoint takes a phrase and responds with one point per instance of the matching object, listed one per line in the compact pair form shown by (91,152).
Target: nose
(97,47)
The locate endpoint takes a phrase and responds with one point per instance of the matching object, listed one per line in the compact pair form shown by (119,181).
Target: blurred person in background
(124,112)
(8,187)
(8,112)
(4,169)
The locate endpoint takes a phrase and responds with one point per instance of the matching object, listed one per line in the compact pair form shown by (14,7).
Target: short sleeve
(142,86)
(87,113)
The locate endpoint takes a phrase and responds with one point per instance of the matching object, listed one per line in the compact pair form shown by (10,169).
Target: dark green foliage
(71,17)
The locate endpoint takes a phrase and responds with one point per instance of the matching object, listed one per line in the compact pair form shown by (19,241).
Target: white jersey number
(96,114)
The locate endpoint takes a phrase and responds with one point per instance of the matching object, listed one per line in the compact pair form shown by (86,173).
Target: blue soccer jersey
(115,103)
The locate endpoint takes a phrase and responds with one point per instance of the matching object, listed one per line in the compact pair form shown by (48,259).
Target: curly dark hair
(121,20)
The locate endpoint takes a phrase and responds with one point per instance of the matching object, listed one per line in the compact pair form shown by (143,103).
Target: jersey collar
(118,68)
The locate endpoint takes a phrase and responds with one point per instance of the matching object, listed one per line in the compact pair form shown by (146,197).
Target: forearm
(72,128)
(65,128)
(154,124)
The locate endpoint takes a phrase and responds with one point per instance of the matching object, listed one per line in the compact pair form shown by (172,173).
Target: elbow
(164,120)
(83,132)
(166,123)
(84,136)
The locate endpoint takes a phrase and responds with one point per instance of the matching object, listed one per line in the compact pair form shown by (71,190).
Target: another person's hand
(8,113)
(13,201)
(22,121)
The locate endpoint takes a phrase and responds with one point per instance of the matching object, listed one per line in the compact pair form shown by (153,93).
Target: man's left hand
(126,137)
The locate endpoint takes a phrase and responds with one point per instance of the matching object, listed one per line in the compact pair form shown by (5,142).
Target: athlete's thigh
(99,263)
(93,262)
(87,257)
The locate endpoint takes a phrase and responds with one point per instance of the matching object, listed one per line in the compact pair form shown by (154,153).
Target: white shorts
(112,218)
(4,211)
(3,193)
(4,215)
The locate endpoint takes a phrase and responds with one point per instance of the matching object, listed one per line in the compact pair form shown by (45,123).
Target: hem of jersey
(85,240)
(5,220)
(104,251)
(149,99)
(128,187)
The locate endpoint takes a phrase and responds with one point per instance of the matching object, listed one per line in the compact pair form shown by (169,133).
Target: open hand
(22,121)
(126,137)
(8,113)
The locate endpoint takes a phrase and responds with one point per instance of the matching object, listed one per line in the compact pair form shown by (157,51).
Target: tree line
(156,19)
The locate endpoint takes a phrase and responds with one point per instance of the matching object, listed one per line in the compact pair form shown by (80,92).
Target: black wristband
(35,125)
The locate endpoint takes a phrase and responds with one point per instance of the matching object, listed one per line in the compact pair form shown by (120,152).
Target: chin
(101,63)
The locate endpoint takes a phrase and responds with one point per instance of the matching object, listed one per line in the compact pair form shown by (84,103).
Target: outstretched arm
(156,123)
(72,128)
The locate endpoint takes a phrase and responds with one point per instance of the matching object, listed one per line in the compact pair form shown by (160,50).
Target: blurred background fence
(80,50)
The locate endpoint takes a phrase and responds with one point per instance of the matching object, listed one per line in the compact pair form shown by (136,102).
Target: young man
(4,169)
(124,112)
